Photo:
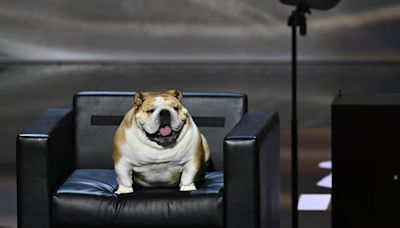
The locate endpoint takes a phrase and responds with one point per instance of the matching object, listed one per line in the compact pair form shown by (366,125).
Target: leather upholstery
(96,182)
(96,140)
(45,158)
(160,206)
(252,187)
(146,208)
(47,154)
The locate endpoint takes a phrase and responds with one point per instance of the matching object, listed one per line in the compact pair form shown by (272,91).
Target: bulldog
(158,144)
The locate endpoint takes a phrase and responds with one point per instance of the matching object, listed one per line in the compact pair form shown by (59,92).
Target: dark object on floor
(365,153)
(60,141)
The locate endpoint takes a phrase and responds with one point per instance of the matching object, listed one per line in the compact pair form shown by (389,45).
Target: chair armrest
(45,156)
(252,173)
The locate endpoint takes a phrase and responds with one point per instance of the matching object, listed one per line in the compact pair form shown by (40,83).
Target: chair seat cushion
(97,182)
(87,199)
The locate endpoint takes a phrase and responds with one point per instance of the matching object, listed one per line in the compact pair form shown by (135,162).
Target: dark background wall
(198,30)
(52,49)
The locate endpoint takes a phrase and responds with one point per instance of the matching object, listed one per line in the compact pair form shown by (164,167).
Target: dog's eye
(150,111)
(176,108)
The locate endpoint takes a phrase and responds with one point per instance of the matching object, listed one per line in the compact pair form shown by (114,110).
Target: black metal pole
(294,131)
(296,19)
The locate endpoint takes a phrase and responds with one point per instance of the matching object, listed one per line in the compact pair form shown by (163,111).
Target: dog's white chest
(155,167)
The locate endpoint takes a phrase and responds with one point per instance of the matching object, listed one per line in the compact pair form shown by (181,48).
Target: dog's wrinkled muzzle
(165,136)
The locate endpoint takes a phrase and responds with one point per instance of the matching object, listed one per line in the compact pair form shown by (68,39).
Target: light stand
(296,19)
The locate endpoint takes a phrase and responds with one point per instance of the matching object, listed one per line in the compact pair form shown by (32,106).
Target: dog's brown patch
(138,178)
(207,152)
(198,156)
(176,176)
(201,159)
(119,139)
(119,136)
(128,119)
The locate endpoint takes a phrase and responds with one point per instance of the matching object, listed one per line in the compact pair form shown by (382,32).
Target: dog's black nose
(164,113)
(165,117)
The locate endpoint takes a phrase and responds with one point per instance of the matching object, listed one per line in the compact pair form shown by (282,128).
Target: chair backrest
(98,114)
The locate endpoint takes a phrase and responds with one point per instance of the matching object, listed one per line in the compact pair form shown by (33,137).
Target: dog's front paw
(189,187)
(123,190)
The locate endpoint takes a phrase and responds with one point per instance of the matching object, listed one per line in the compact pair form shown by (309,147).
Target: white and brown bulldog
(158,144)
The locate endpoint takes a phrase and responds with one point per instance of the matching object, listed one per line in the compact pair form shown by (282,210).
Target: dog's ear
(138,100)
(176,93)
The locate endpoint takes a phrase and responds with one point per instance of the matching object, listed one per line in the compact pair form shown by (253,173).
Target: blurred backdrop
(50,50)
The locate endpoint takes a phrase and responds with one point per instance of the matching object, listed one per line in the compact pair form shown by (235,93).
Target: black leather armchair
(60,143)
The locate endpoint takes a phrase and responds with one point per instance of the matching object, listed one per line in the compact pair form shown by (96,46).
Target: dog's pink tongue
(165,131)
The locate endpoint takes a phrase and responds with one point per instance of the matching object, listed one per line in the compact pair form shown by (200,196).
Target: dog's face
(161,116)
